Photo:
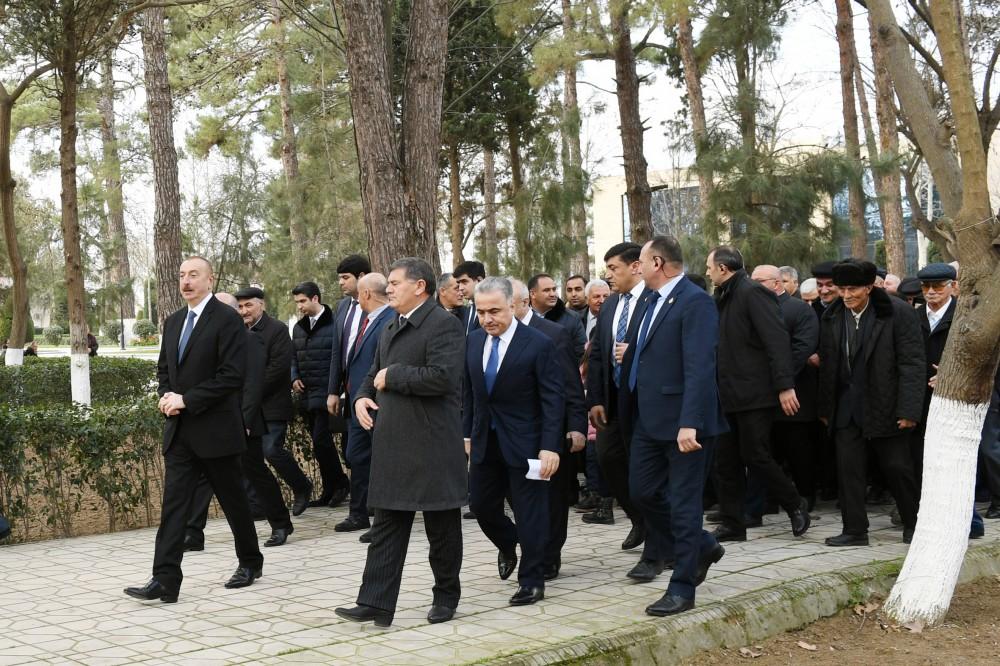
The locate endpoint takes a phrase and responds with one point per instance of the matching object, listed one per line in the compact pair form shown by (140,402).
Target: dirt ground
(970,634)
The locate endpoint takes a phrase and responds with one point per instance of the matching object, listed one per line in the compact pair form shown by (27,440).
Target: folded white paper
(534,470)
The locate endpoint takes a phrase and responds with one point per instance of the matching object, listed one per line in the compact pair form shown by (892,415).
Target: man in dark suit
(375,314)
(562,485)
(347,318)
(468,274)
(546,303)
(261,482)
(200,372)
(412,396)
(276,401)
(670,396)
(513,413)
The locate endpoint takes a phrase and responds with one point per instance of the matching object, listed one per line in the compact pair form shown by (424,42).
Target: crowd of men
(469,389)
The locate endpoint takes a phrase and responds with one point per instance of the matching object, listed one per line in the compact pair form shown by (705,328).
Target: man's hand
(361,407)
(298,386)
(687,440)
(171,404)
(813,360)
(598,417)
(468,447)
(577,441)
(620,349)
(550,463)
(932,382)
(906,423)
(333,403)
(789,402)
(380,379)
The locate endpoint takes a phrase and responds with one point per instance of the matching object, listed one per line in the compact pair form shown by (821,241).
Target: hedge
(45,381)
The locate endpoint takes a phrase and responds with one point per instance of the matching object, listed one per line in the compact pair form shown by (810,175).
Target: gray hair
(416,269)
(520,289)
(495,284)
(595,283)
(789,271)
(809,286)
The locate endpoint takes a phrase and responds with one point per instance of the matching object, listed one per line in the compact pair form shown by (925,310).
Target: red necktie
(361,334)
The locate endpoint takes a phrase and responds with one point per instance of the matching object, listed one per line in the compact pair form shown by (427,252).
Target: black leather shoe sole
(847,540)
(726,534)
(645,572)
(365,614)
(526,597)
(506,565)
(707,560)
(142,594)
(193,547)
(669,606)
(237,582)
(438,614)
(350,526)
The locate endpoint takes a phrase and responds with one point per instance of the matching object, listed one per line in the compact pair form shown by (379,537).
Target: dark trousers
(330,468)
(747,447)
(793,444)
(560,490)
(989,447)
(265,488)
(491,481)
(281,459)
(668,485)
(387,553)
(359,458)
(893,455)
(592,471)
(612,456)
(183,470)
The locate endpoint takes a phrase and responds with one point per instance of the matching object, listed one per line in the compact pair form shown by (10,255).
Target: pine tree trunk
(18,268)
(923,590)
(116,254)
(491,251)
(289,149)
(573,177)
(855,191)
(455,194)
(522,233)
(166,189)
(70,219)
(699,126)
(637,191)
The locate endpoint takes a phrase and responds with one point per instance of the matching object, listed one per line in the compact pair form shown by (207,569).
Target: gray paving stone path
(61,601)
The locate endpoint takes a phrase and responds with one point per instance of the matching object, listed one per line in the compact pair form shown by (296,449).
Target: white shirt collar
(410,313)
(373,315)
(198,309)
(506,336)
(637,290)
(669,286)
(933,318)
(527,318)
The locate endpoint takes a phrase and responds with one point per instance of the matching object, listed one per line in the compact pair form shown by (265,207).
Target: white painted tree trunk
(924,588)
(79,378)
(14,356)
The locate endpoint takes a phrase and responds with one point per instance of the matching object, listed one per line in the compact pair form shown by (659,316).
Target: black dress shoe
(351,524)
(301,501)
(848,540)
(322,500)
(152,590)
(552,571)
(338,497)
(243,577)
(605,514)
(706,560)
(440,614)
(726,533)
(752,521)
(635,537)
(714,517)
(526,596)
(366,537)
(360,613)
(669,604)
(646,570)
(800,518)
(279,536)
(506,564)
(908,534)
(193,544)
(993,512)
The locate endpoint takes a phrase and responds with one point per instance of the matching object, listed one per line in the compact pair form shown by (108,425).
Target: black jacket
(934,342)
(253,386)
(755,359)
(576,409)
(803,332)
(311,361)
(276,401)
(891,360)
(571,321)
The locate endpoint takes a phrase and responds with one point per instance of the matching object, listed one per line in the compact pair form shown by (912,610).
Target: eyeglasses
(936,286)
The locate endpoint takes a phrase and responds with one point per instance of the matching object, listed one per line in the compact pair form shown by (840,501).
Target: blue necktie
(492,365)
(646,320)
(185,335)
(620,337)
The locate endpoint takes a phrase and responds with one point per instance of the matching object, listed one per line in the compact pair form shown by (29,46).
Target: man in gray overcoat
(412,397)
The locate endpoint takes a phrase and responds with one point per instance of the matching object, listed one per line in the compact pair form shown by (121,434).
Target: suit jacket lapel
(476,372)
(199,326)
(671,299)
(371,333)
(514,350)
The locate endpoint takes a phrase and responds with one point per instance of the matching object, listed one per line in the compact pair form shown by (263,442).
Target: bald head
(228,299)
(371,291)
(769,276)
(522,298)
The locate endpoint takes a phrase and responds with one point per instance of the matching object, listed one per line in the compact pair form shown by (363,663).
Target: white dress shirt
(934,318)
(636,292)
(197,310)
(527,318)
(590,323)
(505,339)
(352,334)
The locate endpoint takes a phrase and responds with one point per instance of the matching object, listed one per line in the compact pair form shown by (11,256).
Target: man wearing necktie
(513,412)
(468,274)
(201,371)
(672,402)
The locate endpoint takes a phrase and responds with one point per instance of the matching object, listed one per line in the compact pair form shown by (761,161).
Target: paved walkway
(62,602)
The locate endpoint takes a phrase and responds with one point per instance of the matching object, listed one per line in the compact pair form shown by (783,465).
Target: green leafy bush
(144,328)
(46,381)
(6,315)
(54,334)
(113,329)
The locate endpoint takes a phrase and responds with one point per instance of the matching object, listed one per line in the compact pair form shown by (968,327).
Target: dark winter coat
(934,342)
(311,361)
(560,314)
(803,332)
(276,401)
(755,358)
(891,361)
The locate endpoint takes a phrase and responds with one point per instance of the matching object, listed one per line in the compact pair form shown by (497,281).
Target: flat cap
(823,269)
(249,292)
(854,273)
(909,287)
(936,273)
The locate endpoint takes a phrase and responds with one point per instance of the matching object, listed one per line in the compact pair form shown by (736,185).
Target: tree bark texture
(637,191)
(289,149)
(457,219)
(19,269)
(573,177)
(166,190)
(116,244)
(491,251)
(925,585)
(699,126)
(852,143)
(522,232)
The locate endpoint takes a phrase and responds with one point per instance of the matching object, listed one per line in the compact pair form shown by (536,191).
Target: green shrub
(54,334)
(113,329)
(144,328)
(46,381)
